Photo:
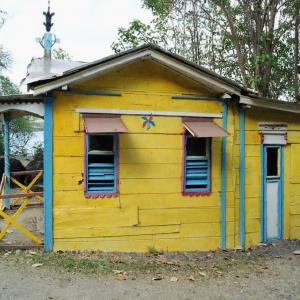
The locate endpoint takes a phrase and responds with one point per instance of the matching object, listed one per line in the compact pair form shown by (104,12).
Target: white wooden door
(272,202)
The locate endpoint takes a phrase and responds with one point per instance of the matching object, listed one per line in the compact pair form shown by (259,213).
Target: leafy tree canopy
(252,42)
(59,53)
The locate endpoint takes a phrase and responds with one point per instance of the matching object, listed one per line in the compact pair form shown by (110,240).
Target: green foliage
(7,87)
(38,151)
(251,42)
(152,250)
(60,53)
(21,131)
(137,33)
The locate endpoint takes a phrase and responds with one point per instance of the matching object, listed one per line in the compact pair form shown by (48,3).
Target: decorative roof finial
(49,39)
(48,16)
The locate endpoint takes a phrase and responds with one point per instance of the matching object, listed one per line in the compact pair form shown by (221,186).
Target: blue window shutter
(101,168)
(197,170)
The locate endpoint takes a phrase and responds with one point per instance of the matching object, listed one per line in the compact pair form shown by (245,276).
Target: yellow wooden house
(146,149)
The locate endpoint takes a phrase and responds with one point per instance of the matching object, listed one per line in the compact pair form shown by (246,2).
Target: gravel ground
(278,278)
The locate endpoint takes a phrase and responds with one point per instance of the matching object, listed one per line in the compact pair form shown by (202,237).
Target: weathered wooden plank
(295,209)
(68,165)
(75,199)
(252,239)
(22,195)
(295,158)
(141,245)
(295,232)
(68,146)
(150,141)
(150,170)
(163,156)
(78,232)
(181,216)
(68,182)
(200,230)
(95,217)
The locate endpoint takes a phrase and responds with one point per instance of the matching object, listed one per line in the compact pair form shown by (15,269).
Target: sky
(86,29)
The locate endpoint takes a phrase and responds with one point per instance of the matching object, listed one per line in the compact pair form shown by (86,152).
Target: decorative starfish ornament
(148,122)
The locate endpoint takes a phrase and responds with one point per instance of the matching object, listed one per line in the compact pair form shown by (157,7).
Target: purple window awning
(98,123)
(203,127)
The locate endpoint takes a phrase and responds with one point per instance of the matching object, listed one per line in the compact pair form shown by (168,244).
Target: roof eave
(271,104)
(180,65)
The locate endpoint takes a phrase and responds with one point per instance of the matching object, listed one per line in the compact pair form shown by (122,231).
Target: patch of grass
(152,250)
(198,264)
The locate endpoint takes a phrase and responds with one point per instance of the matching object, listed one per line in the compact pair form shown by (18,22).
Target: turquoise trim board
(263,189)
(48,172)
(223,176)
(6,119)
(242,178)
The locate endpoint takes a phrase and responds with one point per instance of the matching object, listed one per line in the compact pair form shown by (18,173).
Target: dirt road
(279,278)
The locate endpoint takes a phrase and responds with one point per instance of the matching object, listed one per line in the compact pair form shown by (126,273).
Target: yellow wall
(291,194)
(150,210)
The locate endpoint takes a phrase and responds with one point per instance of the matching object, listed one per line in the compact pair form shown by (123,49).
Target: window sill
(100,195)
(203,193)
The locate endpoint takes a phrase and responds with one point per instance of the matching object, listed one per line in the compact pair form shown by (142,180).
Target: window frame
(198,191)
(102,194)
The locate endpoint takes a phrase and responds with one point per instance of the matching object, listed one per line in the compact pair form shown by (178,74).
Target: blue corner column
(48,172)
(223,176)
(242,177)
(6,119)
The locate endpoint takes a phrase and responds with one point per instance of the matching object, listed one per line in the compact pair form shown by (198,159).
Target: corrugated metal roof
(22,98)
(41,69)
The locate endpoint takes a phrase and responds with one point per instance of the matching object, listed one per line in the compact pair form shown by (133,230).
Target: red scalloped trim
(196,193)
(95,196)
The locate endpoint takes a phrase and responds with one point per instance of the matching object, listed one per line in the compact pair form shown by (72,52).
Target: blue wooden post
(6,156)
(223,175)
(242,177)
(48,167)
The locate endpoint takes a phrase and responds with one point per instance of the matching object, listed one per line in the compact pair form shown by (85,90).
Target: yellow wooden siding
(291,210)
(150,209)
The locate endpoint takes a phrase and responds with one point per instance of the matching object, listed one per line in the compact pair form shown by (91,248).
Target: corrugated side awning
(99,123)
(203,127)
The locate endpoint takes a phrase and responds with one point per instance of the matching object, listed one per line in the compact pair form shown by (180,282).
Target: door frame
(264,191)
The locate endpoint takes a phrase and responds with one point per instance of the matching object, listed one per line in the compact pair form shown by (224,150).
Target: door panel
(272,192)
(272,209)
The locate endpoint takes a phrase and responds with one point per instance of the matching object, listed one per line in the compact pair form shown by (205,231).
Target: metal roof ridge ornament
(49,39)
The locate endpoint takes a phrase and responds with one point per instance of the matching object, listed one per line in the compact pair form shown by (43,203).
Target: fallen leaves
(37,265)
(173,279)
(120,275)
(157,278)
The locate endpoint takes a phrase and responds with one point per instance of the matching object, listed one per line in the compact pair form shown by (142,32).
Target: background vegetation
(254,42)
